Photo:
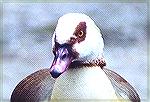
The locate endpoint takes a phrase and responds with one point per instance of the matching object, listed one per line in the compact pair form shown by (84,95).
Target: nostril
(55,74)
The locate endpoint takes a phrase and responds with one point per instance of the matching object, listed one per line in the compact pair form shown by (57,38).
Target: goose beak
(61,62)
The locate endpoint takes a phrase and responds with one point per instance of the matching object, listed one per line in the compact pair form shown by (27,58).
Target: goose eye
(80,34)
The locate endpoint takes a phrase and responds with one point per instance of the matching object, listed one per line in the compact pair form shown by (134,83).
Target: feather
(121,86)
(36,87)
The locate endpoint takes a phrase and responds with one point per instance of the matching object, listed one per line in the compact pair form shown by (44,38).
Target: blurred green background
(28,28)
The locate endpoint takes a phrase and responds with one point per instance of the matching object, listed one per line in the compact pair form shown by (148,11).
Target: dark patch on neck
(79,64)
(80,33)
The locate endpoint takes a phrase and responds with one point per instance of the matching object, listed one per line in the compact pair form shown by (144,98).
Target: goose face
(63,57)
(76,38)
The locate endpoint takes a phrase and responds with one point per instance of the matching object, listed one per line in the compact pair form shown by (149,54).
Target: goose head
(76,38)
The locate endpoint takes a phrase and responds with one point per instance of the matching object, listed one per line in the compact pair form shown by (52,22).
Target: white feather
(85,84)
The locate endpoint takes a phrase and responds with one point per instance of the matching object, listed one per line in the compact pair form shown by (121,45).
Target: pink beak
(61,62)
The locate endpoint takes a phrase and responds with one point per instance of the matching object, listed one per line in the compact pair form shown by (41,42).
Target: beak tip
(55,74)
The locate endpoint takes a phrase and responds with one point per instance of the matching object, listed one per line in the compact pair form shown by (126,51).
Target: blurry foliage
(115,38)
(48,29)
(42,33)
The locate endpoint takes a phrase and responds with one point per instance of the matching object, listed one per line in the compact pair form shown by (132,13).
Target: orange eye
(80,34)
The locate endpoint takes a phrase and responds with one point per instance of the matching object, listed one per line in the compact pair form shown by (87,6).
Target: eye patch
(80,33)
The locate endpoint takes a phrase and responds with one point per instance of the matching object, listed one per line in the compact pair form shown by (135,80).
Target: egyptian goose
(78,72)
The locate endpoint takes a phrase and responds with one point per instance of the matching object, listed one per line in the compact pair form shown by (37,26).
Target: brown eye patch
(80,32)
